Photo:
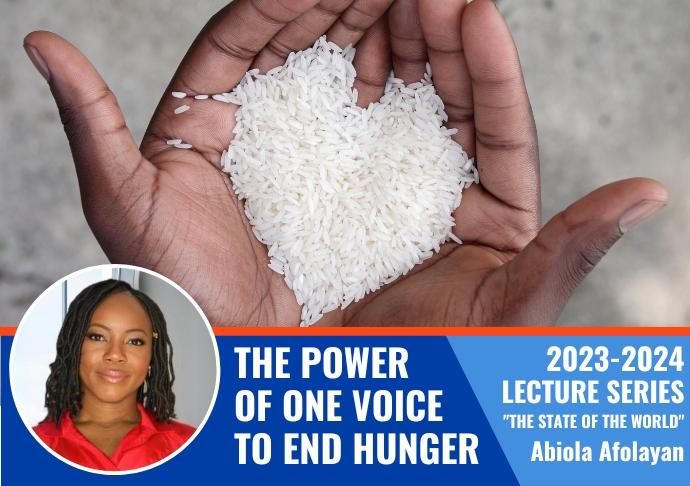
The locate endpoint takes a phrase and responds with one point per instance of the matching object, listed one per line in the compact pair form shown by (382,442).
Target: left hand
(173,210)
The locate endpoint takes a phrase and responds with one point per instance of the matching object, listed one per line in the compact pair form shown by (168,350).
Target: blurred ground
(608,83)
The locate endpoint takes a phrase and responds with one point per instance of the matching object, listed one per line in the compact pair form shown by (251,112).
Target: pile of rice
(346,199)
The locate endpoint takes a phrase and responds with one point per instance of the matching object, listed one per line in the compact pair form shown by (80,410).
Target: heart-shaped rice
(345,198)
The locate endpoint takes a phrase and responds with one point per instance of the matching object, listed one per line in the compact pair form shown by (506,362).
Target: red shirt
(145,444)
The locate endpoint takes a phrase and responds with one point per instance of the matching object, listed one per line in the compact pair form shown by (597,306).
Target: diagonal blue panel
(488,361)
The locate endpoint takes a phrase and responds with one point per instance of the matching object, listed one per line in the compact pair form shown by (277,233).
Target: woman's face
(116,351)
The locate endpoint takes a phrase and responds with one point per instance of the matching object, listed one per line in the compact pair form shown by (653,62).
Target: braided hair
(63,387)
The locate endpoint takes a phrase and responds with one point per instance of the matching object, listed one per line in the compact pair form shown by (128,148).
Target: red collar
(148,442)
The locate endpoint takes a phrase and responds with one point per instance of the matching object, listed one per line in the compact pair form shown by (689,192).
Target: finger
(407,41)
(373,63)
(541,279)
(299,34)
(350,27)
(506,139)
(226,47)
(482,218)
(441,21)
(108,163)
(345,21)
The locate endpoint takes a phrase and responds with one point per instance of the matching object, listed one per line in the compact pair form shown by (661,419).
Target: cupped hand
(174,211)
(509,271)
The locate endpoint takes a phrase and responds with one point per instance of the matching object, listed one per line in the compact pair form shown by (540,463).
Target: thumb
(105,154)
(544,275)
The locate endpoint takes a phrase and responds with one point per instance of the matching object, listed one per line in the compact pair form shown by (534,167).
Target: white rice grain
(181,109)
(179,94)
(454,238)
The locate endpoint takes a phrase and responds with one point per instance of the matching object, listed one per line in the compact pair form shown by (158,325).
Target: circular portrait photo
(114,369)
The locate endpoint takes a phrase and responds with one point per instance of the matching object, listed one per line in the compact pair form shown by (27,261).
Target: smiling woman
(109,394)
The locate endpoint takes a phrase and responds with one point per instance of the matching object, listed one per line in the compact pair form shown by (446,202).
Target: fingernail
(638,212)
(38,61)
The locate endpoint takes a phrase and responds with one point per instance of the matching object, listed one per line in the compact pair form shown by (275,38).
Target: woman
(109,394)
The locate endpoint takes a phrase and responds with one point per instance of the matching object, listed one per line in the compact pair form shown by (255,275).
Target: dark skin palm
(174,211)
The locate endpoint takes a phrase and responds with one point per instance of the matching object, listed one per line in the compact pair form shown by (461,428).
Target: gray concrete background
(609,84)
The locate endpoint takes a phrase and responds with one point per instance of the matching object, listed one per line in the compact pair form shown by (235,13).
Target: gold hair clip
(155,335)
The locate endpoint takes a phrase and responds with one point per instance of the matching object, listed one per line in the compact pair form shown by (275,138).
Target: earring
(149,371)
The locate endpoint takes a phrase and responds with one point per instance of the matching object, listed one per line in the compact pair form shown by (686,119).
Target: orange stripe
(437,331)
(452,331)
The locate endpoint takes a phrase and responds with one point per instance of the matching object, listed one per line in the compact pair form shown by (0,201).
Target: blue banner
(403,410)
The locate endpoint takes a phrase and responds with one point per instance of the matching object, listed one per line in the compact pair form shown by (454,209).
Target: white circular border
(215,391)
